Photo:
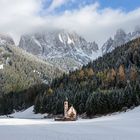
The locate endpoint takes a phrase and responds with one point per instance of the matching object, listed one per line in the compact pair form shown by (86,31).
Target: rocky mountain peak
(120,35)
(58,46)
(136,32)
(119,39)
(120,32)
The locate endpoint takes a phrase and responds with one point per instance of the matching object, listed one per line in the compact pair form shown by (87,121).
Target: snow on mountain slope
(123,126)
(1,66)
(56,46)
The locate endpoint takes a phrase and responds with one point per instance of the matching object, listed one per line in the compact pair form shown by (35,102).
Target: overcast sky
(94,20)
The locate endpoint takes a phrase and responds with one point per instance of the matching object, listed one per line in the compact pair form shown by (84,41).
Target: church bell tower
(66,108)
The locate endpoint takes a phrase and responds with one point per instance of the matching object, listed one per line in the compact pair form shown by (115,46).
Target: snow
(122,126)
(95,55)
(28,114)
(2,42)
(60,38)
(70,41)
(1,66)
(36,41)
(35,71)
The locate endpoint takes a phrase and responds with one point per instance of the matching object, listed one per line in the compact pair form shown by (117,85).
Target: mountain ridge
(58,46)
(120,38)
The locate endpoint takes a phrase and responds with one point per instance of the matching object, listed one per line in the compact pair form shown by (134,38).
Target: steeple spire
(66,98)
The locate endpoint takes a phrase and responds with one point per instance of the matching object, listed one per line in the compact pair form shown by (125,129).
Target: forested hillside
(19,73)
(108,84)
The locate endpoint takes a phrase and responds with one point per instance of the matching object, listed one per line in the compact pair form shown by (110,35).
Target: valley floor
(123,126)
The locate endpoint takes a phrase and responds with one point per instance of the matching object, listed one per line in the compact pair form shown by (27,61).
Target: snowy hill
(123,126)
(28,114)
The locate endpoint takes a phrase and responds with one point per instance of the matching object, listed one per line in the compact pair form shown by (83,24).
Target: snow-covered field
(123,126)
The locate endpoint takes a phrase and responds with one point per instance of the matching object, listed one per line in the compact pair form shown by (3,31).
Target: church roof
(71,109)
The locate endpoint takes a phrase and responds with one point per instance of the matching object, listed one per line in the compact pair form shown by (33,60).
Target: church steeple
(66,107)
